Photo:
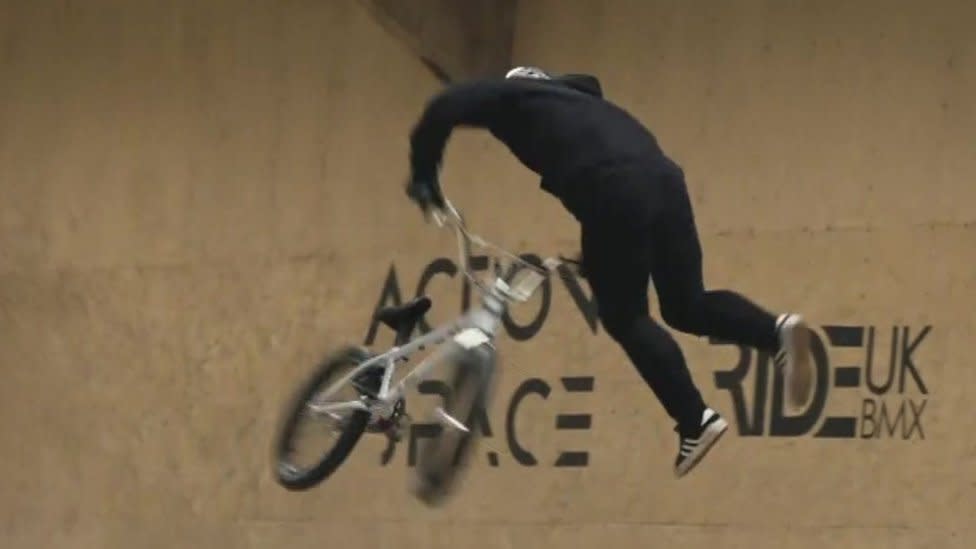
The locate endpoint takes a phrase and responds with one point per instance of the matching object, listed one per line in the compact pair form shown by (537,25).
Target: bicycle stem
(500,289)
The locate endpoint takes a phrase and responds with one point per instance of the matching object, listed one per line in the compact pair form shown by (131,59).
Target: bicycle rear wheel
(348,424)
(442,460)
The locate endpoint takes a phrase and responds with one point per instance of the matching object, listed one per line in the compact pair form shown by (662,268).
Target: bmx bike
(374,403)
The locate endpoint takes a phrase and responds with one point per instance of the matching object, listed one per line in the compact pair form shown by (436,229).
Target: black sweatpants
(638,225)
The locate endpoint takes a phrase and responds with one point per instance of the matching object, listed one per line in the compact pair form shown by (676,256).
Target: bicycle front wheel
(441,460)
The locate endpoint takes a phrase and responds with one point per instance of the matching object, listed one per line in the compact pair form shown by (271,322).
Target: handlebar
(520,290)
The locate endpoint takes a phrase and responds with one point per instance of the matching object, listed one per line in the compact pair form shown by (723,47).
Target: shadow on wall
(454,40)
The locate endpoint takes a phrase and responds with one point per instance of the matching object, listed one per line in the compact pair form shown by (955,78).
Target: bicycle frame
(475,327)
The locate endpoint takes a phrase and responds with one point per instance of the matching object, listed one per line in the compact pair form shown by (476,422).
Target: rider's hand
(425,192)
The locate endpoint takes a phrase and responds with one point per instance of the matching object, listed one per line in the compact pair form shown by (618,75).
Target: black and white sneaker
(694,445)
(793,357)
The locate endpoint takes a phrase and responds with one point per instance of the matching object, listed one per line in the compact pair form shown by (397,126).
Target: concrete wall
(199,199)
(828,146)
(458,40)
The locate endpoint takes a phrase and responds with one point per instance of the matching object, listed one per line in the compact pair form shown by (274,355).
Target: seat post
(404,331)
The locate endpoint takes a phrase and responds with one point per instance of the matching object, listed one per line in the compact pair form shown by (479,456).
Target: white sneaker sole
(798,372)
(711,435)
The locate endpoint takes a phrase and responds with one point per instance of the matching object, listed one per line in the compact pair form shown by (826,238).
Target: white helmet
(528,72)
(585,83)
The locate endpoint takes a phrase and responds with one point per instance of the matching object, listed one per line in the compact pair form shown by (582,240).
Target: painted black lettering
(846,376)
(790,426)
(529,386)
(868,408)
(731,381)
(907,362)
(890,425)
(880,389)
(916,424)
(586,305)
(389,295)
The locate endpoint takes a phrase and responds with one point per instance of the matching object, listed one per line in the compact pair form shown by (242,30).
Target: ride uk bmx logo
(875,368)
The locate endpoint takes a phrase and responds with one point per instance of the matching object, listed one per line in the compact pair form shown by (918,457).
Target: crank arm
(331,408)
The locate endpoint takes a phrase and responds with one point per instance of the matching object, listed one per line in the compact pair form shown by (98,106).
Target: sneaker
(694,445)
(793,357)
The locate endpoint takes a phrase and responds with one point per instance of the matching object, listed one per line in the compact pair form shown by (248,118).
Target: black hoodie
(562,129)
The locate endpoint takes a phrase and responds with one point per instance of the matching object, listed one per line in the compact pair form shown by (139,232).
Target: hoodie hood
(585,83)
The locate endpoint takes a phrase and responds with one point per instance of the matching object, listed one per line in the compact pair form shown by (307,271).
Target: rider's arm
(466,104)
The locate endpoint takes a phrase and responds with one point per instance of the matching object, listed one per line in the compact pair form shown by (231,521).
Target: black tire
(330,369)
(442,460)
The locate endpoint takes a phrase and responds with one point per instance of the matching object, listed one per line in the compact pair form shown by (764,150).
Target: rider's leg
(723,314)
(677,274)
(617,269)
(618,277)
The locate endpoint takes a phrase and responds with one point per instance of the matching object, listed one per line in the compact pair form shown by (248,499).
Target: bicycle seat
(399,316)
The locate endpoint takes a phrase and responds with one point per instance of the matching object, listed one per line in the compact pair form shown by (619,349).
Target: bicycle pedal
(448,421)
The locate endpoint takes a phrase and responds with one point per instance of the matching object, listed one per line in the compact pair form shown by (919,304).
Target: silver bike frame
(475,327)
